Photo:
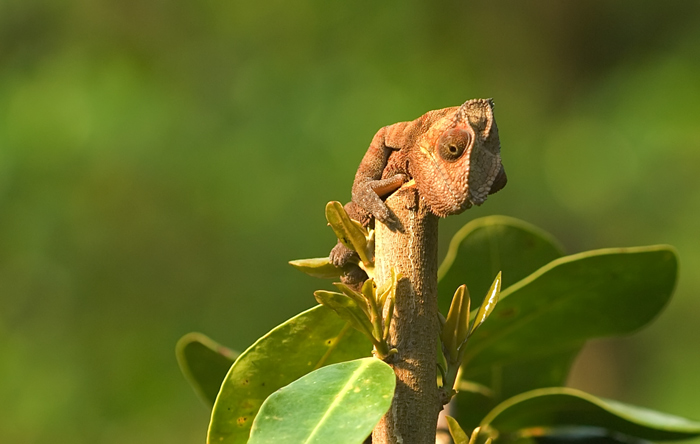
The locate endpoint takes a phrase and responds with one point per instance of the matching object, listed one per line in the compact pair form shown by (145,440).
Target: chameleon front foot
(353,276)
(340,255)
(367,195)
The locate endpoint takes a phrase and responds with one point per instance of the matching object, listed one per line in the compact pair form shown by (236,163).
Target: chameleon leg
(367,195)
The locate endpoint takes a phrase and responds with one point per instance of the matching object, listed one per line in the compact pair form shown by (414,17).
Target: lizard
(452,154)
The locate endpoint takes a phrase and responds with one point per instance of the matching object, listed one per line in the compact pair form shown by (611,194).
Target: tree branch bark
(411,251)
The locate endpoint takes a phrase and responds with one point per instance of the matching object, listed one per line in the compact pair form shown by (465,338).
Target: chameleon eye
(452,144)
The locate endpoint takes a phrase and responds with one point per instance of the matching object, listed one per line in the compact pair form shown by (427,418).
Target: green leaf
(388,289)
(312,339)
(355,296)
(500,382)
(478,252)
(463,326)
(346,308)
(572,299)
(204,363)
(577,435)
(317,267)
(458,435)
(542,322)
(369,290)
(488,305)
(485,246)
(349,232)
(560,406)
(337,404)
(456,327)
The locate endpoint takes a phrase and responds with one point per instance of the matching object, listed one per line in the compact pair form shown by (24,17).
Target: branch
(411,251)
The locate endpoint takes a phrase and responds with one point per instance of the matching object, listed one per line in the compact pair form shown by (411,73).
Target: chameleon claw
(387,218)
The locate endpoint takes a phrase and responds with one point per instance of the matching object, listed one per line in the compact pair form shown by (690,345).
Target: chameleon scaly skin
(453,154)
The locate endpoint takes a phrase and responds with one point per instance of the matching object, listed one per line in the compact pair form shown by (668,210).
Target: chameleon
(453,155)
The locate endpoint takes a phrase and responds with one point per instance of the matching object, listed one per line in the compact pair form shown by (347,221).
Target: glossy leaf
(349,232)
(337,404)
(488,305)
(388,289)
(310,340)
(572,299)
(577,435)
(387,302)
(346,308)
(204,363)
(478,252)
(485,246)
(542,322)
(317,267)
(560,406)
(458,435)
(456,327)
(482,391)
(369,290)
(354,295)
(463,326)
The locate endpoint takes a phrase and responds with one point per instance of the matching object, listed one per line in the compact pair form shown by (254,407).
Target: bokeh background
(160,161)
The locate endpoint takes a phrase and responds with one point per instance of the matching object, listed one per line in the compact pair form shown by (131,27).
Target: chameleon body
(453,154)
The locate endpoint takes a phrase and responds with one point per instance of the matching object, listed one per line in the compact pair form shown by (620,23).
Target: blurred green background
(160,161)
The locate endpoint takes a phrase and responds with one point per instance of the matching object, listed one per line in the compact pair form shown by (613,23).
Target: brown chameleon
(453,154)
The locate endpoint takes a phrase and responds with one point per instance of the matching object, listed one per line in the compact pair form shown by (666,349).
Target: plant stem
(411,251)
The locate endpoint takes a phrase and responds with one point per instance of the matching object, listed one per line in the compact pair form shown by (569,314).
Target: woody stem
(411,251)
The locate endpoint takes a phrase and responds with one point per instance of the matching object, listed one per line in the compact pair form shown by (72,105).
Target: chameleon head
(461,160)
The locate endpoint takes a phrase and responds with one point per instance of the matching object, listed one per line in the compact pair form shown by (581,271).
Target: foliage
(149,151)
(370,309)
(549,408)
(204,363)
(352,234)
(457,328)
(340,403)
(300,345)
(508,376)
